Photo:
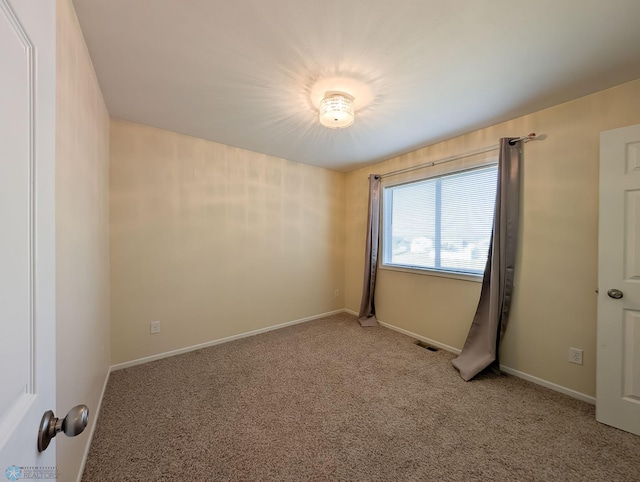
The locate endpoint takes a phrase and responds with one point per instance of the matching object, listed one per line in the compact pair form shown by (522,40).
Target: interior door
(27,233)
(618,365)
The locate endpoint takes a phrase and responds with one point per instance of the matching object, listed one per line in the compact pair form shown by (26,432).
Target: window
(442,223)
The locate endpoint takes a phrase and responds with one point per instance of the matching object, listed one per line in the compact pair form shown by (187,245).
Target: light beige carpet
(329,400)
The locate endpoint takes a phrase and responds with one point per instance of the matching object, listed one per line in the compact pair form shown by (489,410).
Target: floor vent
(422,344)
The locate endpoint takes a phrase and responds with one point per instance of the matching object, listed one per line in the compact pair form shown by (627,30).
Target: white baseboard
(516,373)
(219,341)
(93,427)
(553,386)
(420,337)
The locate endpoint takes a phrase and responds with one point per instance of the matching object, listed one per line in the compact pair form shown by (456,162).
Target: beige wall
(554,306)
(214,241)
(82,223)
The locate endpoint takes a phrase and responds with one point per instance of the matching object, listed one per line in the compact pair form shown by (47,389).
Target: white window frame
(465,276)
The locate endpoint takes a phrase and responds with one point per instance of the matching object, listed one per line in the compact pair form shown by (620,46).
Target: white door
(27,232)
(618,362)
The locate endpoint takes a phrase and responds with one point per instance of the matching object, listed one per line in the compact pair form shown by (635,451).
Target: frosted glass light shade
(336,110)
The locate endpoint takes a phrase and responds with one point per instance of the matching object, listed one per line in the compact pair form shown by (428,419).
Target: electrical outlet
(155,327)
(336,294)
(575,356)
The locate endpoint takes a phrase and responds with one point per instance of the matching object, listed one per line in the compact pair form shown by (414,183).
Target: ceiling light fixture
(336,110)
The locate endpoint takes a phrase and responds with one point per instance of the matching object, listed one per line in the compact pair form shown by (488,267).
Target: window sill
(475,278)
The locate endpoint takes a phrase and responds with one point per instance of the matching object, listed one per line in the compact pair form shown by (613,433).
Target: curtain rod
(512,142)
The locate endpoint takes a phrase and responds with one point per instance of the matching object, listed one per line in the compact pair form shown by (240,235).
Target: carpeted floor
(328,400)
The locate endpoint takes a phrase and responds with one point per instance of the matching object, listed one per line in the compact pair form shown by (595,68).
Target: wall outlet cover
(575,356)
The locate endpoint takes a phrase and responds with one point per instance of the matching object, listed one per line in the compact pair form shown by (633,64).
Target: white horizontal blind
(443,223)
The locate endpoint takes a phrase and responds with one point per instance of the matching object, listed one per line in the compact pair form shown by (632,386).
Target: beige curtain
(487,329)
(367,315)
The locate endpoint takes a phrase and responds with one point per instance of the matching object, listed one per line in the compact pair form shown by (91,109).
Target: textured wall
(554,305)
(214,241)
(82,237)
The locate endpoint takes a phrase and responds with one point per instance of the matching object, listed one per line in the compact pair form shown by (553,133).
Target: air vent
(422,344)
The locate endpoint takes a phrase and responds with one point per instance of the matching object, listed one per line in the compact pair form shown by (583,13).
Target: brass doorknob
(73,424)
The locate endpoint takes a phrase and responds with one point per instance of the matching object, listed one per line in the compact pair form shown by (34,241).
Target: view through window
(442,223)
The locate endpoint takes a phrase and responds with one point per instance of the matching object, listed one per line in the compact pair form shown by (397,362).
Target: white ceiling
(242,72)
